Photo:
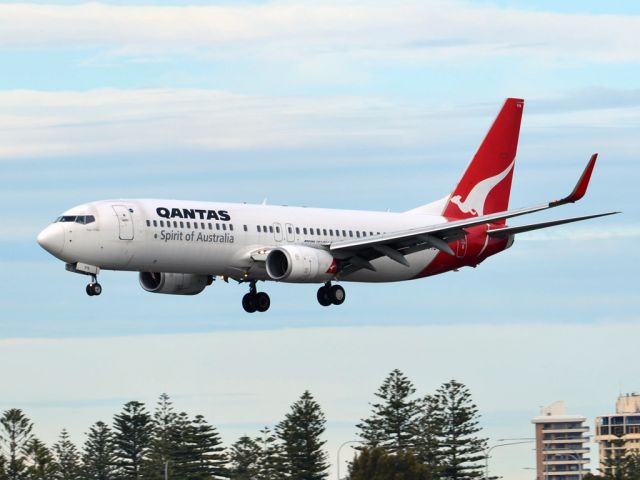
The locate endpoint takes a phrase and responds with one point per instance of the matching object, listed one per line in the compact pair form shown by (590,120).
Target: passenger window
(351,233)
(258,227)
(162,223)
(357,234)
(304,230)
(224,226)
(148,223)
(270,229)
(245,228)
(277,229)
(324,232)
(290,230)
(264,228)
(195,225)
(337,233)
(188,224)
(330,232)
(231,227)
(181,224)
(155,223)
(202,225)
(364,234)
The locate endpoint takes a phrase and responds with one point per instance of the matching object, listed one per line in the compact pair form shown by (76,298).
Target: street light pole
(573,455)
(338,455)
(488,451)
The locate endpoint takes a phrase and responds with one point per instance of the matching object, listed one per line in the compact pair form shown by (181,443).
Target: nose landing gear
(331,295)
(94,288)
(255,301)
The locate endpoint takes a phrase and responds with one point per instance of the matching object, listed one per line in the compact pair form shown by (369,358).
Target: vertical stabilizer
(486,183)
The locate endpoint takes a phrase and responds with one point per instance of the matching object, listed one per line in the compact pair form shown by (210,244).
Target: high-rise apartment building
(619,434)
(560,444)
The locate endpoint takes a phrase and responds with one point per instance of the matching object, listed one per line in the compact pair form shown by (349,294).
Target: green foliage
(67,458)
(132,436)
(272,463)
(430,436)
(41,465)
(245,459)
(162,447)
(98,455)
(300,434)
(15,435)
(393,423)
(377,464)
(209,454)
(460,449)
(623,468)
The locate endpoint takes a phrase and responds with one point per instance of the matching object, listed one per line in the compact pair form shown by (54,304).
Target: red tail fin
(486,184)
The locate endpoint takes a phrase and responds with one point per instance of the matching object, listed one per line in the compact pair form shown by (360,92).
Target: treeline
(434,437)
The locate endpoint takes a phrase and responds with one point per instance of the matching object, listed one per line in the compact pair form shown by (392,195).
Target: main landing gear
(255,301)
(331,295)
(94,288)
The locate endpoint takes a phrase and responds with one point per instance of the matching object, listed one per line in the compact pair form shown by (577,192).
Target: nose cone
(52,239)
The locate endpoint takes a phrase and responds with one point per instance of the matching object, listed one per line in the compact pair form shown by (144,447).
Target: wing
(357,254)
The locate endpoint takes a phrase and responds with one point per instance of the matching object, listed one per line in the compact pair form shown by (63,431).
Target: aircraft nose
(52,239)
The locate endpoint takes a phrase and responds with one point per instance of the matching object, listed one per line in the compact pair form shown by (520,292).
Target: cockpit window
(85,219)
(82,219)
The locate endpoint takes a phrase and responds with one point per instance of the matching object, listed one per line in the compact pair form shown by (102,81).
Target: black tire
(263,302)
(337,295)
(89,290)
(97,289)
(249,303)
(324,297)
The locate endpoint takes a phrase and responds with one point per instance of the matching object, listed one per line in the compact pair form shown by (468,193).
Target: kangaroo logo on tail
(474,203)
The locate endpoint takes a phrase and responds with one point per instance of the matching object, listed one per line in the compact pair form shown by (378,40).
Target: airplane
(181,247)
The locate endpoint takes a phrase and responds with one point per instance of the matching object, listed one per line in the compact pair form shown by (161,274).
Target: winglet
(581,187)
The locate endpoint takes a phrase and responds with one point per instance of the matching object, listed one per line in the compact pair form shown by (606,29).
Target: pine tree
(15,434)
(429,436)
(210,459)
(392,425)
(377,464)
(41,465)
(132,434)
(244,459)
(271,464)
(300,433)
(67,457)
(183,457)
(462,451)
(98,456)
(162,447)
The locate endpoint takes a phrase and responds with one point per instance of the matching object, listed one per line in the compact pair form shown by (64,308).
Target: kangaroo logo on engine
(193,213)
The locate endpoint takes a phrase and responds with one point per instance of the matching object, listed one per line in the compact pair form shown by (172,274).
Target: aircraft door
(277,232)
(289,231)
(125,221)
(461,247)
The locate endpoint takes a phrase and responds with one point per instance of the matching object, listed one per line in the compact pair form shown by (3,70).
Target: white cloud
(407,30)
(53,124)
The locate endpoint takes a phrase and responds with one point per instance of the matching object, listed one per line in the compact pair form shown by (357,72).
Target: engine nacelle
(296,263)
(174,283)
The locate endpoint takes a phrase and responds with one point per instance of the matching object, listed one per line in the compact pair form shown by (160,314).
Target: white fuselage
(220,239)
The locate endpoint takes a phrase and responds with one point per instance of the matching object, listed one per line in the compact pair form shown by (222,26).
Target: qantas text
(193,213)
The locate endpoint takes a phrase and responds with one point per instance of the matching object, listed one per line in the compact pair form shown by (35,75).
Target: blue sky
(340,104)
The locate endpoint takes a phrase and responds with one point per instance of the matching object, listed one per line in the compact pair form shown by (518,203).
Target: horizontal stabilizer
(503,232)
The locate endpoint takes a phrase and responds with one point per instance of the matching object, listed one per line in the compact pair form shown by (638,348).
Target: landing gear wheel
(263,302)
(323,297)
(249,303)
(94,289)
(337,295)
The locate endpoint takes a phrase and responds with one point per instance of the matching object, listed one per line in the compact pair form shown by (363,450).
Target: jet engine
(296,263)
(174,283)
